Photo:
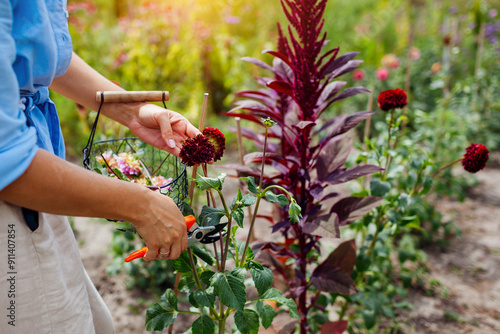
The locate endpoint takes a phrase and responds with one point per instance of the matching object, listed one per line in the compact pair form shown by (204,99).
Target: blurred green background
(190,47)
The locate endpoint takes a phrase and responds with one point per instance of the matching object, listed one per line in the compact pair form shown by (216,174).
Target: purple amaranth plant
(308,153)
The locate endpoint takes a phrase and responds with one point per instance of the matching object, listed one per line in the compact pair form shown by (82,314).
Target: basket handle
(132,96)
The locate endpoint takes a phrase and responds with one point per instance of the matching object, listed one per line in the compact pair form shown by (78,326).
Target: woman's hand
(162,227)
(162,128)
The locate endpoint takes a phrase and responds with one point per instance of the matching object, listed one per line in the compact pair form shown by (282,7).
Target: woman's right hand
(162,226)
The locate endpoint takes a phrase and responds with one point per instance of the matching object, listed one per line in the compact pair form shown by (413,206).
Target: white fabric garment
(45,279)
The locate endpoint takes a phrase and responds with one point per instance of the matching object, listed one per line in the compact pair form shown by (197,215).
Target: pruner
(196,233)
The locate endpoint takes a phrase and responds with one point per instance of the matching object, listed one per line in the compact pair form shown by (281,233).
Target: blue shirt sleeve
(17,141)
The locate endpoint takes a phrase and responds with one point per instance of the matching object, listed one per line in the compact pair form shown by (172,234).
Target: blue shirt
(35,47)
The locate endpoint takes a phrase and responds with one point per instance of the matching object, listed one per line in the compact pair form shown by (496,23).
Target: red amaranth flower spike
(197,150)
(392,99)
(217,139)
(475,158)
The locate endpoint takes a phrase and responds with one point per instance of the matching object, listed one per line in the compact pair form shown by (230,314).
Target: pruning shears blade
(205,234)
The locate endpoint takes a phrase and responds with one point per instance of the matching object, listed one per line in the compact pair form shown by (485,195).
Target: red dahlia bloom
(217,139)
(475,158)
(197,150)
(392,99)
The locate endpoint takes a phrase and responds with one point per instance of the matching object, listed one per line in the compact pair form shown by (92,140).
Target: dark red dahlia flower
(392,99)
(475,158)
(217,139)
(197,150)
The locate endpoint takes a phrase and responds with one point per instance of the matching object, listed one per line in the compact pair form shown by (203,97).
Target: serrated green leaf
(169,299)
(210,216)
(263,279)
(182,264)
(251,184)
(186,209)
(186,284)
(206,276)
(238,216)
(203,298)
(277,296)
(193,301)
(249,199)
(241,273)
(273,198)
(229,289)
(203,254)
(379,188)
(203,325)
(128,228)
(205,183)
(266,313)
(241,246)
(158,318)
(294,211)
(247,321)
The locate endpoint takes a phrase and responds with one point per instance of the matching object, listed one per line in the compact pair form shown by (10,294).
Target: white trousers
(43,285)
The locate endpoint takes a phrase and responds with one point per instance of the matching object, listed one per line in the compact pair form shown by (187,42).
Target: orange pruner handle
(190,220)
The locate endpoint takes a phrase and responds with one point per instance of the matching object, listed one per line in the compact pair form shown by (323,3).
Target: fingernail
(171,143)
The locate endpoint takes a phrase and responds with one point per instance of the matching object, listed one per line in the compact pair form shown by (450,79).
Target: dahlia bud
(392,99)
(475,158)
(358,74)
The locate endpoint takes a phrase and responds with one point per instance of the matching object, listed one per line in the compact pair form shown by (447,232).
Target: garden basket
(151,161)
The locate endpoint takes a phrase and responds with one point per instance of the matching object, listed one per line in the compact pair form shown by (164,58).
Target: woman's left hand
(162,128)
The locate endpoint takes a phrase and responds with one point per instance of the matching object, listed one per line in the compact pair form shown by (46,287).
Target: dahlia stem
(388,162)
(446,166)
(200,127)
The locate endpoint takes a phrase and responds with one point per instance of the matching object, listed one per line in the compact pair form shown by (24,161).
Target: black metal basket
(154,162)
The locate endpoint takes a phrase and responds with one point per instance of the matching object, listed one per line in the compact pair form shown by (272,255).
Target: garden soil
(461,293)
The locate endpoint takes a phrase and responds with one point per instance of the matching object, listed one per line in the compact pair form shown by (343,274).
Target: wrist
(122,112)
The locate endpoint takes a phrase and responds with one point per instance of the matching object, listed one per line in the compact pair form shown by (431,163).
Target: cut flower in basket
(128,167)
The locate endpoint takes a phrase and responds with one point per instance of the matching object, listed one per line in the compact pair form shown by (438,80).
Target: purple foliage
(307,152)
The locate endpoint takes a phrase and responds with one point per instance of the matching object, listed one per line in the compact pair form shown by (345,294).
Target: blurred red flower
(358,74)
(382,73)
(475,158)
(392,99)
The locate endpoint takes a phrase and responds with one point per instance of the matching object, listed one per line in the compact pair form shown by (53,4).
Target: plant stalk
(388,162)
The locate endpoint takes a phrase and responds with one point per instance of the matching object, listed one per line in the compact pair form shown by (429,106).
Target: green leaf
(203,254)
(203,325)
(169,299)
(203,298)
(263,278)
(277,296)
(238,216)
(158,318)
(369,317)
(251,184)
(247,321)
(120,174)
(294,211)
(206,276)
(241,245)
(182,264)
(249,199)
(240,273)
(379,188)
(210,216)
(205,183)
(266,313)
(186,209)
(229,289)
(273,198)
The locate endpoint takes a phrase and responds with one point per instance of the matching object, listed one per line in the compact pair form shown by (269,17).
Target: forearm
(80,84)
(53,185)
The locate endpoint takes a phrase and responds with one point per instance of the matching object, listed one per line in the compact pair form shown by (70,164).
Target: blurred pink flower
(120,59)
(233,19)
(358,74)
(88,6)
(390,61)
(382,73)
(414,53)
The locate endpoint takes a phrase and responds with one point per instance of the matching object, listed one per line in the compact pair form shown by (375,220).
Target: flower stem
(446,166)
(228,235)
(195,273)
(388,162)
(252,223)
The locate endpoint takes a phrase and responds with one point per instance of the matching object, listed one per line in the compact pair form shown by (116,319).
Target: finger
(191,130)
(163,254)
(167,134)
(151,254)
(175,251)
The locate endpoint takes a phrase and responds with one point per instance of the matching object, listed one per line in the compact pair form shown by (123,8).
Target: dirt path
(464,277)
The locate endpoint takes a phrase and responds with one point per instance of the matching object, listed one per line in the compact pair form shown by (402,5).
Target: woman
(43,284)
